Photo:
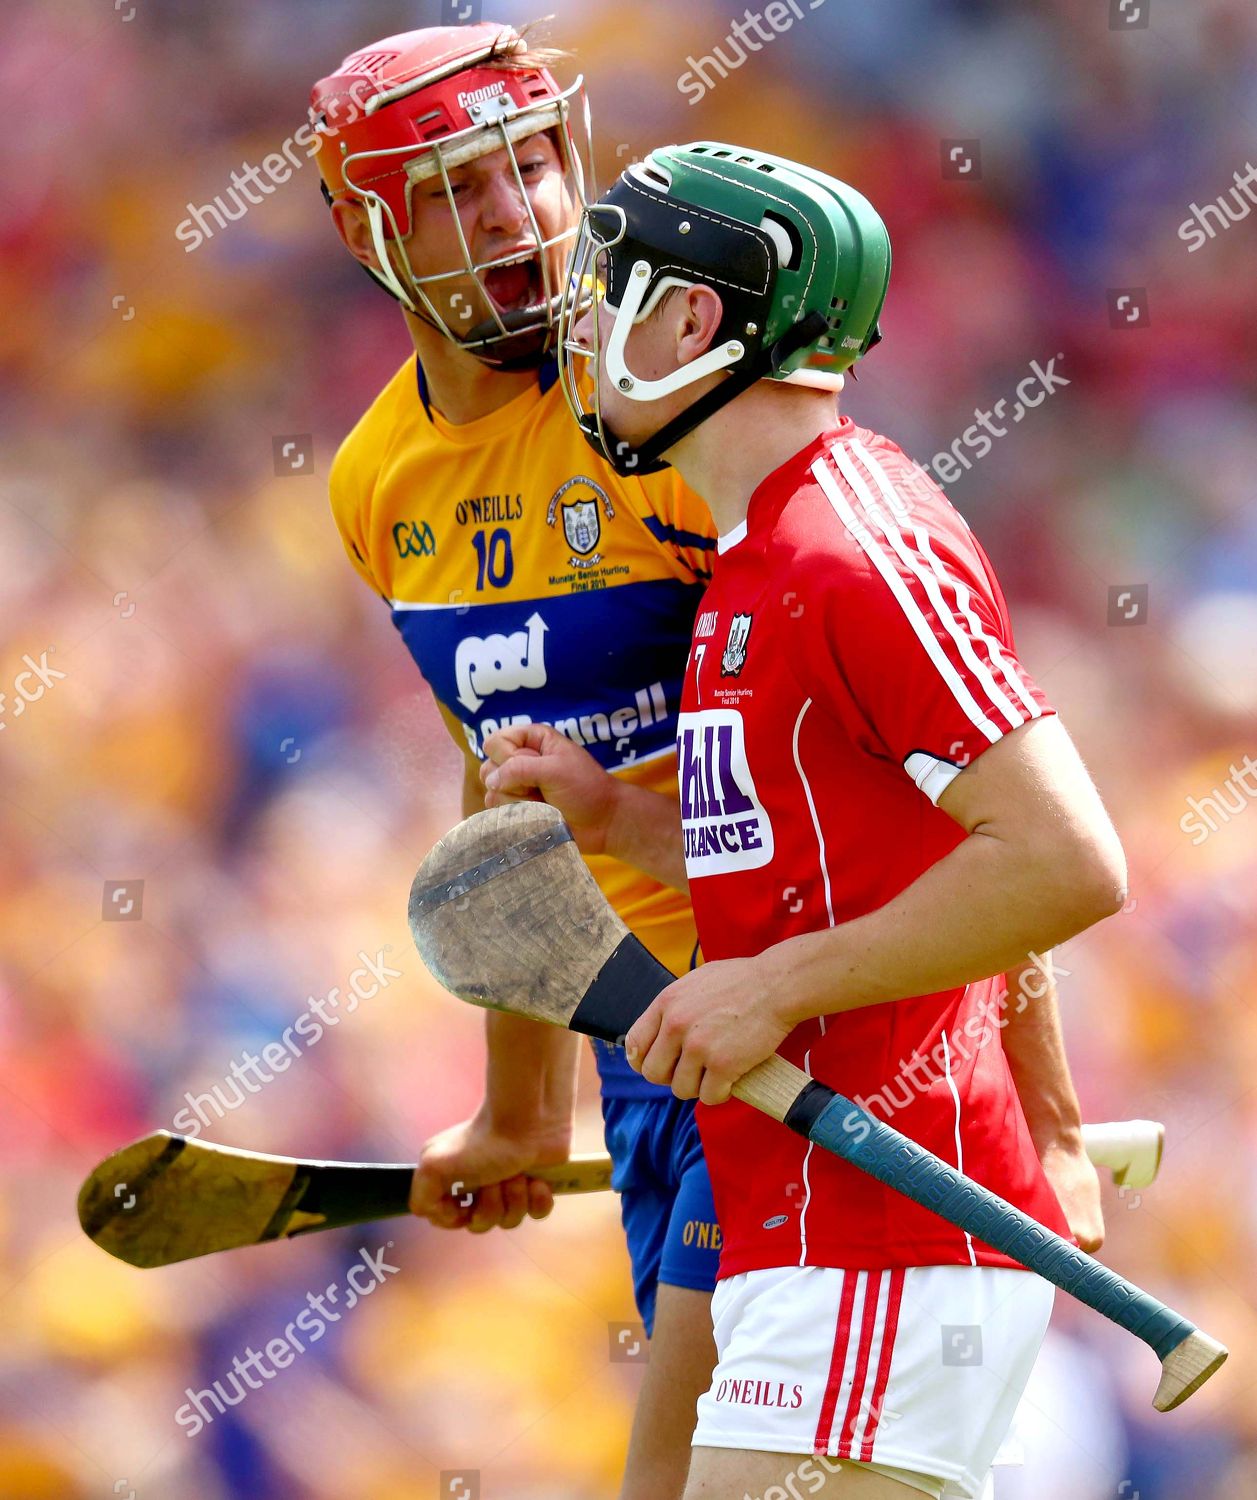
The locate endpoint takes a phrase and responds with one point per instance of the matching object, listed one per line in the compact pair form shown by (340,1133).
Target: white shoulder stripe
(920,625)
(1009,669)
(929,580)
(993,645)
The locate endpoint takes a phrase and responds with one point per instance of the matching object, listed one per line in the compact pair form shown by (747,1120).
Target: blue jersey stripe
(666,532)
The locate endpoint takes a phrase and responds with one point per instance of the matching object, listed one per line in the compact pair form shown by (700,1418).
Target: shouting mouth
(516,286)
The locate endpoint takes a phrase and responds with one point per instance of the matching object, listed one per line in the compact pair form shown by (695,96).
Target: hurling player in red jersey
(880,814)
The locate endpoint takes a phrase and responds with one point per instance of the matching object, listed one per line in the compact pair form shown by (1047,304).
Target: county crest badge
(734,658)
(580,501)
(581,526)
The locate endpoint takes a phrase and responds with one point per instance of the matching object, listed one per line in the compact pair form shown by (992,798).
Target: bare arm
(1041,862)
(607,816)
(1035,1048)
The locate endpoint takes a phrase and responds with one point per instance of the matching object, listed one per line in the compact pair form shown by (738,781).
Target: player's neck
(460,387)
(726,458)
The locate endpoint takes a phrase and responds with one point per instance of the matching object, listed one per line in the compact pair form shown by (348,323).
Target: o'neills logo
(760,1393)
(723,822)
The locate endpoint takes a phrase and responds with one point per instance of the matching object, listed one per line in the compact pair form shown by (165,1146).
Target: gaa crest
(734,658)
(581,500)
(581,526)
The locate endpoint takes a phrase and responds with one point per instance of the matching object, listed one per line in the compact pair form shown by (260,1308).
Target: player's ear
(351,224)
(699,311)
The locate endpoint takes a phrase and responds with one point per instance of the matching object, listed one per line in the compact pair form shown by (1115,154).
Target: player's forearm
(974,914)
(645,831)
(1035,1048)
(530,1077)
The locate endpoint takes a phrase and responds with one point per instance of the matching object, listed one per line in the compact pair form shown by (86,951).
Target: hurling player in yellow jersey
(531,583)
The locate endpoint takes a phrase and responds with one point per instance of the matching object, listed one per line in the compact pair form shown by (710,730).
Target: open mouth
(516,286)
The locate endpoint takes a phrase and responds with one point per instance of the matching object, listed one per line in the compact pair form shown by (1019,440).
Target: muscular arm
(1040,863)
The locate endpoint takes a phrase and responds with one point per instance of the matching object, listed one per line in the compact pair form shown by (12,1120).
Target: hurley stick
(505,914)
(166,1198)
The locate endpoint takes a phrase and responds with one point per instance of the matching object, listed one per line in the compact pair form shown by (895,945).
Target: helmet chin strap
(534,344)
(384,272)
(646,459)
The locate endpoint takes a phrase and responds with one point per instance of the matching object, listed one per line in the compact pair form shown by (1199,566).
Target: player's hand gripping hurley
(506,915)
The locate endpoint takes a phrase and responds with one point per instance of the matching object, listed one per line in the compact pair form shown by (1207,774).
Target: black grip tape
(622,989)
(803,1113)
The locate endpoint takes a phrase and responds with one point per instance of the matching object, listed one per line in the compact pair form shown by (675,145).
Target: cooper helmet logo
(582,525)
(500,663)
(734,658)
(478,96)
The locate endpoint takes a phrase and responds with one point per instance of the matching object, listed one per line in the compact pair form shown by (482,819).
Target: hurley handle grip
(838,1124)
(579,1174)
(883,1152)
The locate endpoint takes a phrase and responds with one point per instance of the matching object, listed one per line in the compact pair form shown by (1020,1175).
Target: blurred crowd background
(238,736)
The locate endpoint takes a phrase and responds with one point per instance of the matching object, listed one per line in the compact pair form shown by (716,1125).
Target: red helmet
(417,105)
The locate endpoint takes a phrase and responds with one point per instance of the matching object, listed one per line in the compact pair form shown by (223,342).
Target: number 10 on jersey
(493,558)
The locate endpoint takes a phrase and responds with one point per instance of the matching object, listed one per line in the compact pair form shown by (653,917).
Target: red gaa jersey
(852,654)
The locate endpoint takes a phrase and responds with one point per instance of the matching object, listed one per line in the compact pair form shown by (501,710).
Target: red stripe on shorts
(883,1364)
(842,1337)
(872,1294)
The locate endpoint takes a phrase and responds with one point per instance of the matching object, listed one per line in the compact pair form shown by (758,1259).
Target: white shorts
(918,1369)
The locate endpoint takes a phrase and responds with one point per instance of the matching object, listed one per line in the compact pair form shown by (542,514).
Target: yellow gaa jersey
(532,583)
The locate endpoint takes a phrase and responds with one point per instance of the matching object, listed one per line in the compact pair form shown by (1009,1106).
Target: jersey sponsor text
(724,823)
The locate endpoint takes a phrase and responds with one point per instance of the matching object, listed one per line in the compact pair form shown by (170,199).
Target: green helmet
(800,261)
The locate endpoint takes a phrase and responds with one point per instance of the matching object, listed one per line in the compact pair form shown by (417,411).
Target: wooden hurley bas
(505,914)
(166,1198)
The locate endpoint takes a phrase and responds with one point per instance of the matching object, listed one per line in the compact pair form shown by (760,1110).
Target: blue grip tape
(868,1143)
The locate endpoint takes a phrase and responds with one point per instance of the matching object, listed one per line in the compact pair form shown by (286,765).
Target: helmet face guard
(446,109)
(605,272)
